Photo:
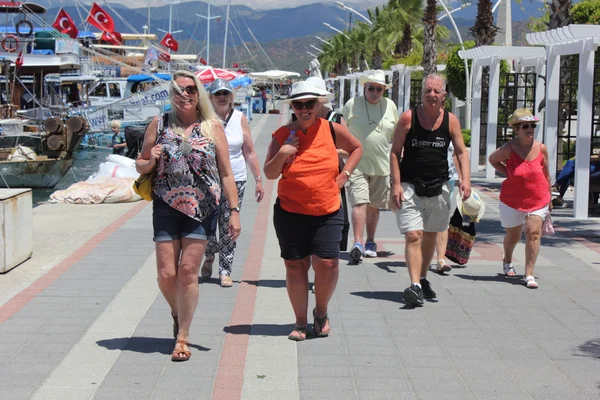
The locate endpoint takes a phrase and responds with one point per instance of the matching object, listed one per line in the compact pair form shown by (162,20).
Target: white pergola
(573,39)
(490,56)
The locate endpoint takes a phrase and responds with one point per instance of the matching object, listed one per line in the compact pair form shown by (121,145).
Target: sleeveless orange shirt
(307,185)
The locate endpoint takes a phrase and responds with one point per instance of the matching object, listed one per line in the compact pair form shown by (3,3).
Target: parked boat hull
(33,174)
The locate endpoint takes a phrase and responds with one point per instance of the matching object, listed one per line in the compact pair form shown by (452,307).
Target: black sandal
(321,321)
(298,338)
(175,326)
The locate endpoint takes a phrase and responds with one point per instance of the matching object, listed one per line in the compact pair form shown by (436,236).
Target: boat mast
(226,29)
(171,2)
(208,18)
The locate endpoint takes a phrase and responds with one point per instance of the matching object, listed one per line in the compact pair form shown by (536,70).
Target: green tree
(455,71)
(484,31)
(586,12)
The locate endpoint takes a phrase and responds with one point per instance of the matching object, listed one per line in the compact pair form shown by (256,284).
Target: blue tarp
(43,52)
(145,78)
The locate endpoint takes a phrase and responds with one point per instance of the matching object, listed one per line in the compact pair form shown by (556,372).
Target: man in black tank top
(420,188)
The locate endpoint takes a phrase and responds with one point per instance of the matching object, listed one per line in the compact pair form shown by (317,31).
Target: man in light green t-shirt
(371,119)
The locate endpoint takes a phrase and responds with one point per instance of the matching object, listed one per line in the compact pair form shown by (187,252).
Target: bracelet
(347,173)
(258,178)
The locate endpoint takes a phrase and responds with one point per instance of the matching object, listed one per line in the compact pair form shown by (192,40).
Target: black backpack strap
(344,204)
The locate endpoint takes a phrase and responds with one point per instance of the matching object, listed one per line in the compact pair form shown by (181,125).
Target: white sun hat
(473,207)
(305,90)
(377,76)
(320,86)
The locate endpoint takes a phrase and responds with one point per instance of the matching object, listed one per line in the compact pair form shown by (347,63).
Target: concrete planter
(16,227)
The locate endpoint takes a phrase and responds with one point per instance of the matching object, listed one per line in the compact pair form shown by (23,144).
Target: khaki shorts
(429,214)
(368,189)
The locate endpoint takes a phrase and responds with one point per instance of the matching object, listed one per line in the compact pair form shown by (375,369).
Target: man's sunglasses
(191,90)
(221,93)
(300,105)
(527,126)
(377,89)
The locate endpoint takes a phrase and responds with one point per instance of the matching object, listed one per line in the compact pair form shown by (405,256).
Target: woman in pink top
(525,196)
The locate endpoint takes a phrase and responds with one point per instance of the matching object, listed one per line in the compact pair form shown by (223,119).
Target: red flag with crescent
(236,65)
(64,24)
(100,19)
(164,56)
(169,42)
(112,38)
(19,60)
(202,61)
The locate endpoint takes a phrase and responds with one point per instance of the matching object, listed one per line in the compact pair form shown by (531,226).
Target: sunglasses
(300,105)
(377,89)
(221,93)
(191,90)
(527,126)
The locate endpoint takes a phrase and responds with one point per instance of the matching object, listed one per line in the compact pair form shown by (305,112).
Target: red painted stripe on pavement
(230,372)
(23,297)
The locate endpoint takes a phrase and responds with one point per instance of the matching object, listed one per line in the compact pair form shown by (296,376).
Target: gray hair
(437,77)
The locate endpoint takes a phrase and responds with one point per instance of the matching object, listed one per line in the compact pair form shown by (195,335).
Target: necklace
(371,122)
(429,123)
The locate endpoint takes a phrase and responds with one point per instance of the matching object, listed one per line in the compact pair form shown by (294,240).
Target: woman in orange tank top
(525,197)
(307,215)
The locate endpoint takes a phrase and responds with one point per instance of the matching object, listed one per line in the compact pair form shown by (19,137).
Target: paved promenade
(90,323)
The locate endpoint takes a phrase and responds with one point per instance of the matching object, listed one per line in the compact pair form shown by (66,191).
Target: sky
(262,4)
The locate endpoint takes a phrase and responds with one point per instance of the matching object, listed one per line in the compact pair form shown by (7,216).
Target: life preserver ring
(7,43)
(28,32)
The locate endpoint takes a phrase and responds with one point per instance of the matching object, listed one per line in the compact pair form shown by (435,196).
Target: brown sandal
(179,349)
(206,271)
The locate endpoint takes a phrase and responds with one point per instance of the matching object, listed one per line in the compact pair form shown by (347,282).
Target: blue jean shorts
(171,224)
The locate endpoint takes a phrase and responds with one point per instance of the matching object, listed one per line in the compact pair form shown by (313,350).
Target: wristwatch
(236,209)
(346,172)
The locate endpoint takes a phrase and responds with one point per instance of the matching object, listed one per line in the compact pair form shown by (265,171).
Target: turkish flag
(100,19)
(112,38)
(19,60)
(169,42)
(163,56)
(306,71)
(236,65)
(64,24)
(202,61)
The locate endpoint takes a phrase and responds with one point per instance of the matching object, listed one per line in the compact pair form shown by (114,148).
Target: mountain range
(285,34)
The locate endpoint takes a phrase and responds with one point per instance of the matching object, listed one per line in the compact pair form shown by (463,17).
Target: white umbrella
(273,74)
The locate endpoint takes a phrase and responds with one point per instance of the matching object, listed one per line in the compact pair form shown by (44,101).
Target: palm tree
(484,31)
(560,13)
(429,49)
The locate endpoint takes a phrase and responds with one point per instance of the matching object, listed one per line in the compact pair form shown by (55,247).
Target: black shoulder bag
(346,228)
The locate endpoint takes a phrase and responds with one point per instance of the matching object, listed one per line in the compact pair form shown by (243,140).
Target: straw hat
(376,76)
(522,115)
(305,90)
(320,86)
(473,207)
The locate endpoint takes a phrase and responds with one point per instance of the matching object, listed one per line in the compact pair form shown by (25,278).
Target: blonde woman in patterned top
(189,150)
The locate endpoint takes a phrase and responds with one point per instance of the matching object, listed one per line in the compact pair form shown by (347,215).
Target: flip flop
(300,332)
(321,321)
(508,269)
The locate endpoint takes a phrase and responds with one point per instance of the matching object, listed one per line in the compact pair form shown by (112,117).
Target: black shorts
(302,235)
(171,224)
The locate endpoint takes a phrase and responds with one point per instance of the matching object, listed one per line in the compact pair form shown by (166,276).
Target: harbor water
(86,162)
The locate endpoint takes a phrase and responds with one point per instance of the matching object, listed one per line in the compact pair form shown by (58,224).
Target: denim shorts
(171,224)
(303,235)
